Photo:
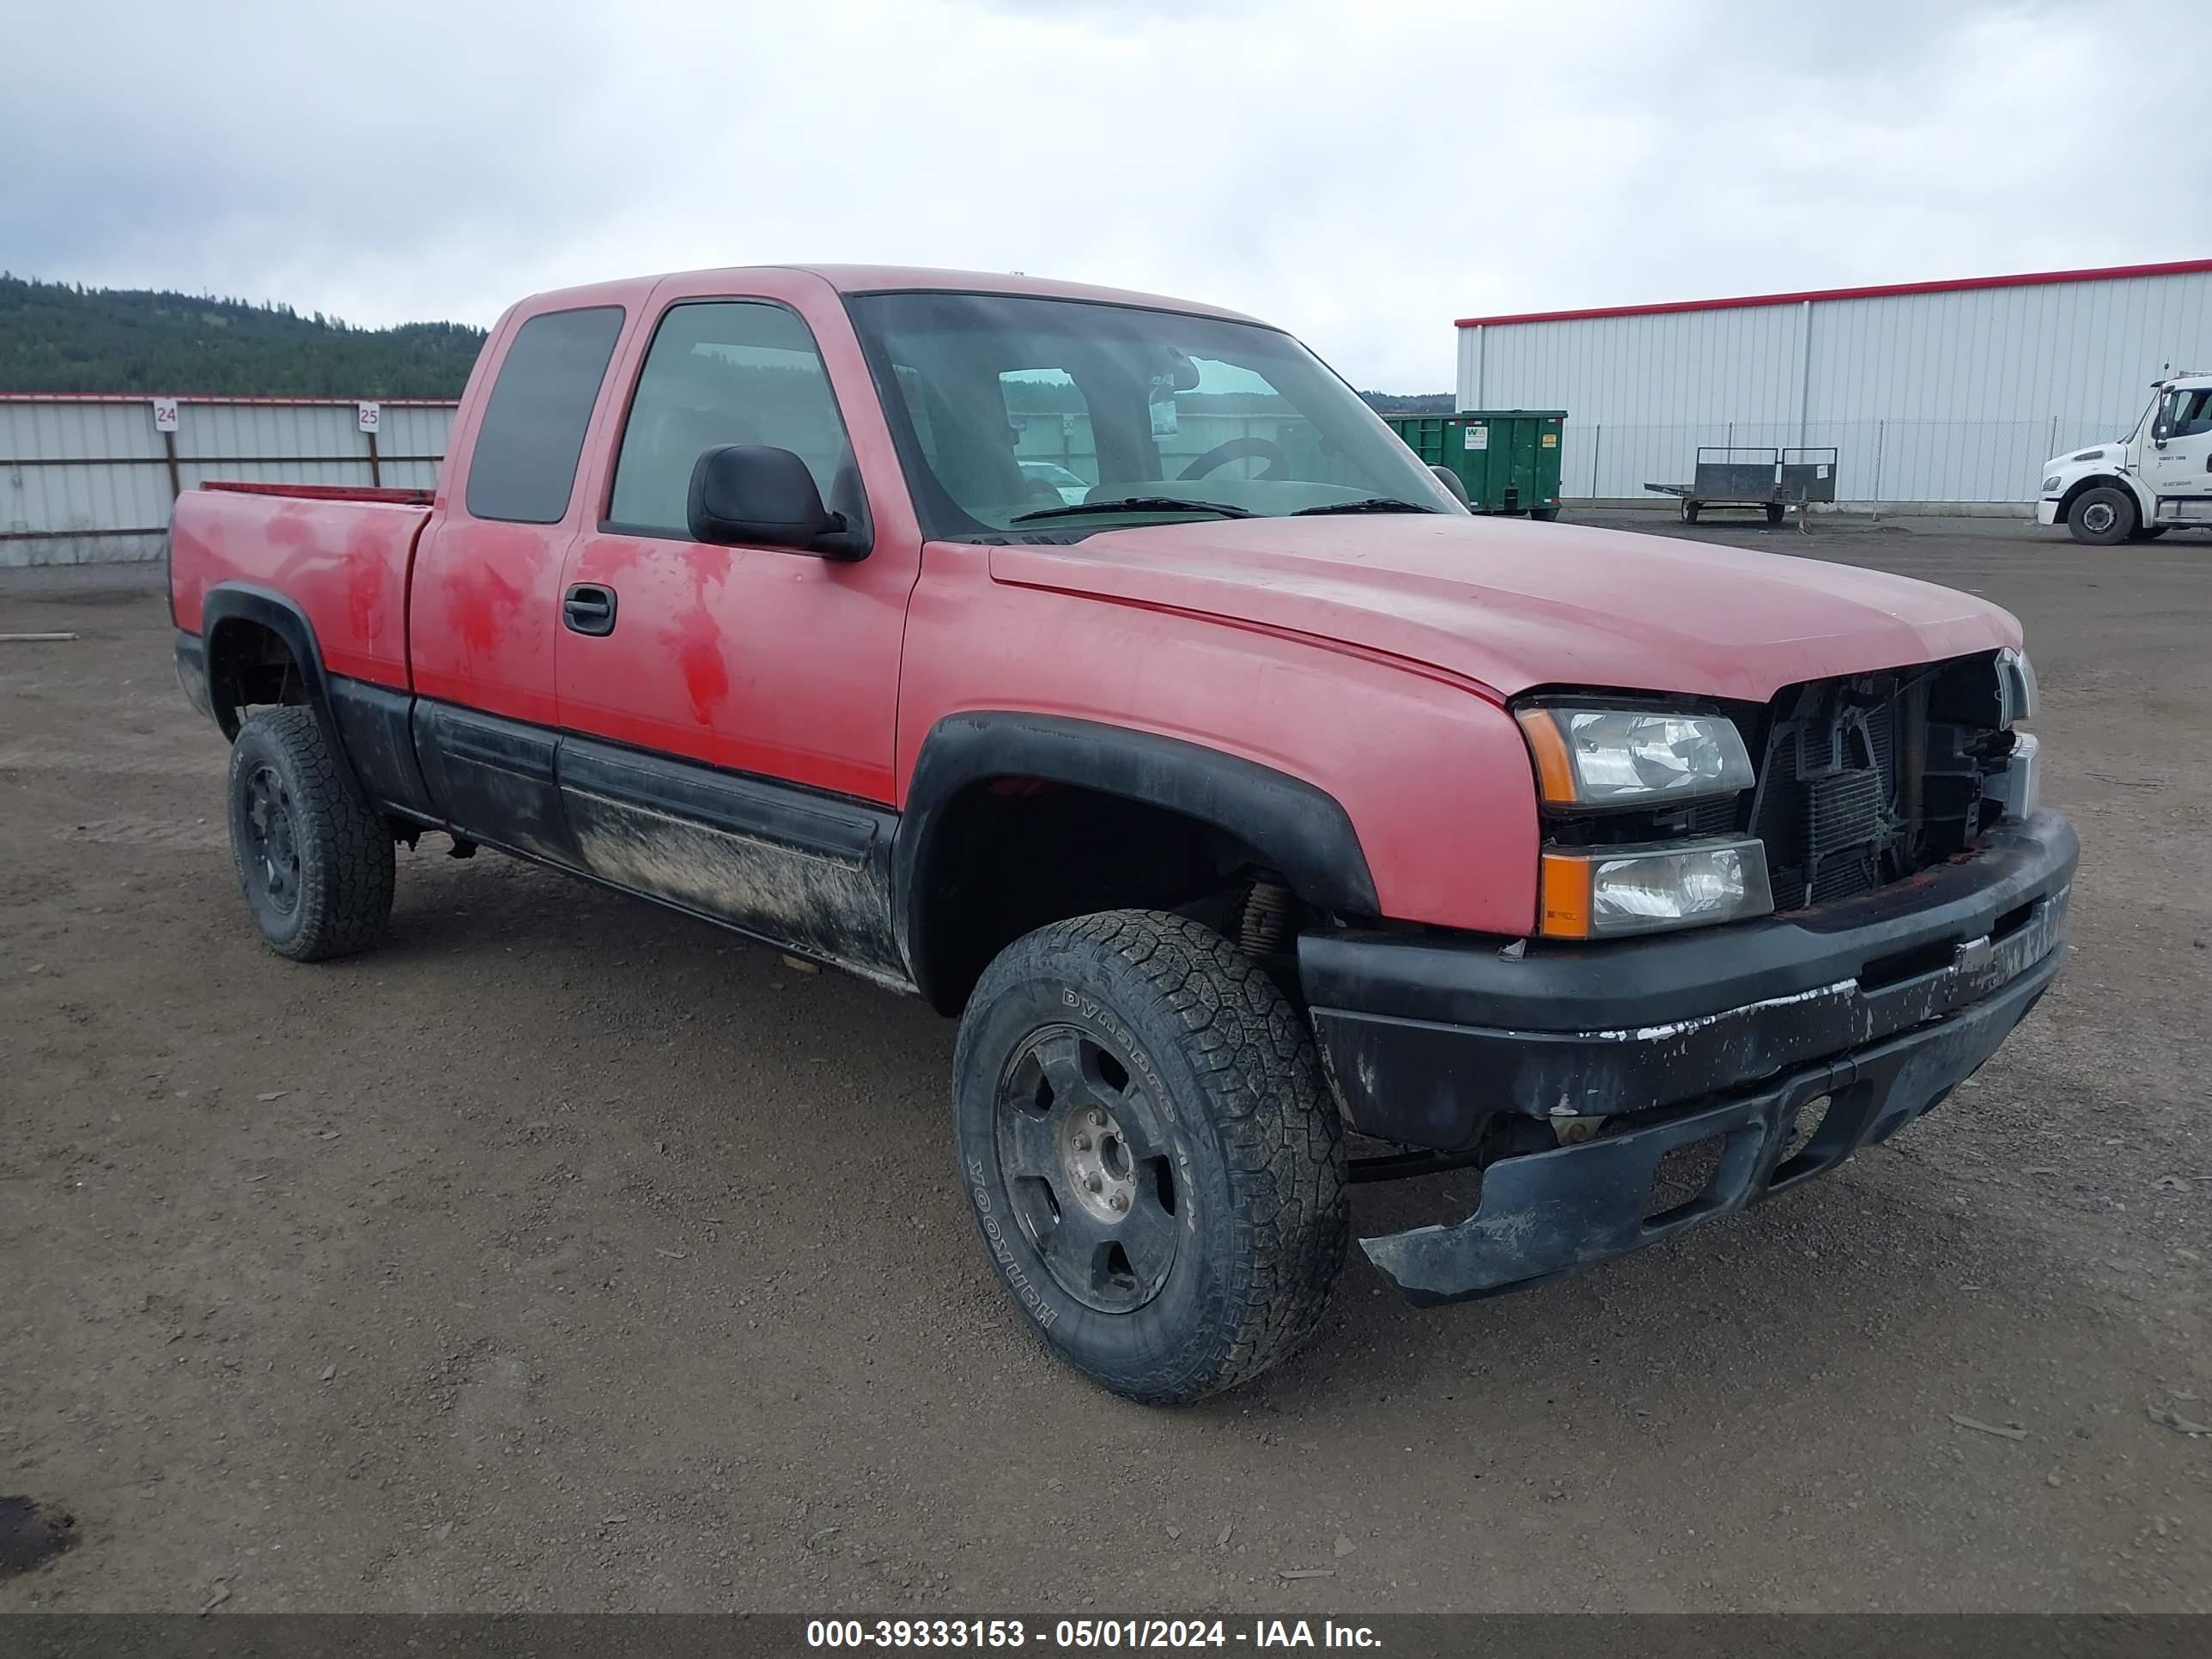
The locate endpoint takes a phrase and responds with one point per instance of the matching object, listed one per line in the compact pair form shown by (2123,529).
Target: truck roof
(877,279)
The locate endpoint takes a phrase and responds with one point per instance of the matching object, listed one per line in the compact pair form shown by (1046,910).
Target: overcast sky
(1360,171)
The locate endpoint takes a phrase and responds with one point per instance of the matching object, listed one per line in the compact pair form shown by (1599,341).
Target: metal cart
(1771,481)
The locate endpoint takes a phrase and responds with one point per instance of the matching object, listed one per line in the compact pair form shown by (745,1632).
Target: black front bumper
(1882,1006)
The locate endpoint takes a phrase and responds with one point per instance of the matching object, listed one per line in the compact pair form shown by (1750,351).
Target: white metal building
(88,478)
(1947,391)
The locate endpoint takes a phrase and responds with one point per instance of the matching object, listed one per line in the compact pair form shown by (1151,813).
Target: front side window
(1023,415)
(2188,412)
(523,465)
(726,372)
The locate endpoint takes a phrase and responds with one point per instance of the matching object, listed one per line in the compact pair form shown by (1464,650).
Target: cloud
(1362,174)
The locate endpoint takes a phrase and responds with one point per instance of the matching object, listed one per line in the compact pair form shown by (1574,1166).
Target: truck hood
(1513,605)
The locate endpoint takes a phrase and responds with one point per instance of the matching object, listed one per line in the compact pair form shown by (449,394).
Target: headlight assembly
(1597,758)
(1603,892)
(2050,485)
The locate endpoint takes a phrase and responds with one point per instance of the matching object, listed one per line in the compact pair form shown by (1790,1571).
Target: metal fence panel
(92,478)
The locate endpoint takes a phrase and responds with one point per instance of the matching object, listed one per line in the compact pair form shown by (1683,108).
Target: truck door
(2177,464)
(484,602)
(729,710)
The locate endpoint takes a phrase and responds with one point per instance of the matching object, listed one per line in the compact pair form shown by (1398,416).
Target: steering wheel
(1236,450)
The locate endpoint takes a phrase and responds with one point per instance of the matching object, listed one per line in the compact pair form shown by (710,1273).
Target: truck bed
(342,554)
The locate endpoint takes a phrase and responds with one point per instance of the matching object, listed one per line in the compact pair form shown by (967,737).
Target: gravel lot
(566,1254)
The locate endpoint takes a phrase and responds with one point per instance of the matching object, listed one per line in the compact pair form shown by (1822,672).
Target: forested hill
(58,337)
(1405,402)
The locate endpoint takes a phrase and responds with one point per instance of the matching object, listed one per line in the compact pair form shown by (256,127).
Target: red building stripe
(217,397)
(1954,285)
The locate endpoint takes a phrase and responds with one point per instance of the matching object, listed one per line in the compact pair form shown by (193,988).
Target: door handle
(589,608)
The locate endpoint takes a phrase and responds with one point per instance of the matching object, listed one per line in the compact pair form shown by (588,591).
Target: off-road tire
(335,898)
(2102,517)
(1252,1140)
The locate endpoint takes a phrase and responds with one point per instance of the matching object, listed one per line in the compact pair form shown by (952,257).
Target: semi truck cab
(2157,478)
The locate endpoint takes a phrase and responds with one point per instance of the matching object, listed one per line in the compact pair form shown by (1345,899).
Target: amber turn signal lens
(1555,773)
(1564,899)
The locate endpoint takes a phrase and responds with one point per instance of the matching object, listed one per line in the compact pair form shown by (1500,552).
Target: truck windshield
(1034,416)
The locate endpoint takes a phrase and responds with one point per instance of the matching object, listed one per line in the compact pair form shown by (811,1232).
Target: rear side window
(524,463)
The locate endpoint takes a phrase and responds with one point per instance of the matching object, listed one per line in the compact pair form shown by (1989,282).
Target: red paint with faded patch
(344,564)
(761,660)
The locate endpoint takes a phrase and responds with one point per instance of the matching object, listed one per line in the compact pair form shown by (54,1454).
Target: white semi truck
(2157,478)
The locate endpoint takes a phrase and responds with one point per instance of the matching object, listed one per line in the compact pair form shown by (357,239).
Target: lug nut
(1119,1200)
(1098,1120)
(1083,1143)
(1090,1183)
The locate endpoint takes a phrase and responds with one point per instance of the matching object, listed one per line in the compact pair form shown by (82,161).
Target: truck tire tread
(1260,1078)
(347,857)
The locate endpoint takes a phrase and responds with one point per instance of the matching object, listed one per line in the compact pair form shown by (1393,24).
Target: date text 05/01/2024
(1085,1634)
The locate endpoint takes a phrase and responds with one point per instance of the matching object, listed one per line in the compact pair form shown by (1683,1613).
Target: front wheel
(1544,514)
(2101,517)
(1151,1155)
(2150,532)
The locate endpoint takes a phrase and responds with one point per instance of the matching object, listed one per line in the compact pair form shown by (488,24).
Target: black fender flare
(1300,829)
(229,603)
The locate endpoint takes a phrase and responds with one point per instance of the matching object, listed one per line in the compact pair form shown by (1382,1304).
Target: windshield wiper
(1134,504)
(1365,504)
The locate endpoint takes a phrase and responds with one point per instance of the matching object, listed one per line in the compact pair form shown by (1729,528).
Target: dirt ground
(566,1254)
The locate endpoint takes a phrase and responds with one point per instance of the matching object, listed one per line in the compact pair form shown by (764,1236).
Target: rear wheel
(1774,513)
(313,859)
(2102,516)
(1544,514)
(1689,511)
(1151,1155)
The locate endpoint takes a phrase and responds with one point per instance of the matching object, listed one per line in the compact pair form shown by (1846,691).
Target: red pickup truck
(1246,797)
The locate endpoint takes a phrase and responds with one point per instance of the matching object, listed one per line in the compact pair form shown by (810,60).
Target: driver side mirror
(753,493)
(2160,430)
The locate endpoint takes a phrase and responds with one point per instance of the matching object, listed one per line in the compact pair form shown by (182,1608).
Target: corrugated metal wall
(1936,397)
(84,480)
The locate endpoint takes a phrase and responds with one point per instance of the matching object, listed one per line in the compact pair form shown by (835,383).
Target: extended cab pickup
(1257,800)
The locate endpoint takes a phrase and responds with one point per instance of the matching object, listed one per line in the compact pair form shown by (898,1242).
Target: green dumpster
(1508,459)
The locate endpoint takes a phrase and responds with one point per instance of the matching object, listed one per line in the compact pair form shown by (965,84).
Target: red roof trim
(217,397)
(1953,285)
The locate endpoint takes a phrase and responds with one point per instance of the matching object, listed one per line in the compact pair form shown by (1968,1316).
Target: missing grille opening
(1901,965)
(1682,1177)
(1797,1155)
